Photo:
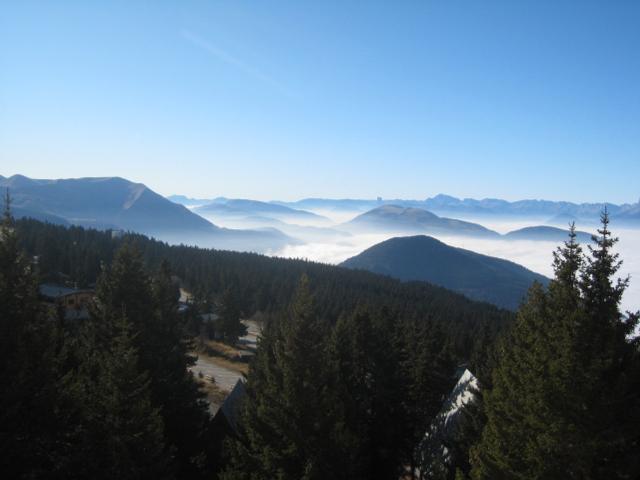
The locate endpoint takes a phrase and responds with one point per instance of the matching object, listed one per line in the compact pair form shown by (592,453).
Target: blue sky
(285,100)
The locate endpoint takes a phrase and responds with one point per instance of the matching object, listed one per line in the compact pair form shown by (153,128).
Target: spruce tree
(286,421)
(151,306)
(368,390)
(426,368)
(112,429)
(134,424)
(183,405)
(563,374)
(611,369)
(229,324)
(27,392)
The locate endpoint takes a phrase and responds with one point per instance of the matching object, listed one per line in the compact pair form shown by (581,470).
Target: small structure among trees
(75,302)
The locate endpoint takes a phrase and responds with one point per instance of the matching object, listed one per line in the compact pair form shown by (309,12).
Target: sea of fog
(535,255)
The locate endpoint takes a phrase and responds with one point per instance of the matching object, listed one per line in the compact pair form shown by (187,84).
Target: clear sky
(284,100)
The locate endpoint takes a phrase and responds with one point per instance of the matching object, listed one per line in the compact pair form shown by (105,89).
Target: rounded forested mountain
(477,276)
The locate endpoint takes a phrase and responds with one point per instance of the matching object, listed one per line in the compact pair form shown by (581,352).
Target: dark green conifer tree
(27,393)
(427,370)
(611,367)
(286,422)
(554,410)
(183,405)
(228,323)
(368,393)
(135,426)
(112,429)
(151,305)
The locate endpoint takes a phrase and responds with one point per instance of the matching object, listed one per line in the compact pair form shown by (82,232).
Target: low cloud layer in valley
(535,255)
(327,241)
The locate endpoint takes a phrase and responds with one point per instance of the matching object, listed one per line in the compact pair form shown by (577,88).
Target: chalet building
(74,301)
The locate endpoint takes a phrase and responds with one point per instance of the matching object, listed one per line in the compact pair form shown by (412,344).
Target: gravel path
(225,378)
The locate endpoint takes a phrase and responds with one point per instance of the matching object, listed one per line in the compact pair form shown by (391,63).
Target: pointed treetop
(604,263)
(7,207)
(302,305)
(6,226)
(568,260)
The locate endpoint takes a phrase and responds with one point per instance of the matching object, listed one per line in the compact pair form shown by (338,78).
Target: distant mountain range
(344,204)
(394,218)
(561,212)
(479,277)
(523,208)
(248,208)
(116,203)
(384,217)
(550,212)
(242,213)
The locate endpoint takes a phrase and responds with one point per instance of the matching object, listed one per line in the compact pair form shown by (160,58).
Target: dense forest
(261,283)
(350,370)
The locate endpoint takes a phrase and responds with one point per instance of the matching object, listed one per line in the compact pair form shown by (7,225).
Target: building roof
(433,450)
(231,406)
(51,290)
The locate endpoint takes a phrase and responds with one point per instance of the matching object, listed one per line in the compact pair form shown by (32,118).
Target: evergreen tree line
(349,372)
(562,400)
(349,401)
(559,398)
(263,284)
(109,397)
(344,397)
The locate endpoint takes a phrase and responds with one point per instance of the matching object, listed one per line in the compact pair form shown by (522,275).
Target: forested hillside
(265,284)
(111,396)
(477,276)
(350,371)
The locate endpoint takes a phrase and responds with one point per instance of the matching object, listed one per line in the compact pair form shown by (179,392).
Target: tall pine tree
(27,361)
(611,366)
(286,422)
(368,392)
(151,305)
(229,325)
(555,407)
(111,428)
(183,405)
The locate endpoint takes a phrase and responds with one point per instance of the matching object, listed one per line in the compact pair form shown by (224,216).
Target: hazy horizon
(534,255)
(474,99)
(284,198)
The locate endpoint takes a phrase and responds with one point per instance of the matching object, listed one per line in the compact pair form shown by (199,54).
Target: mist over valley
(528,238)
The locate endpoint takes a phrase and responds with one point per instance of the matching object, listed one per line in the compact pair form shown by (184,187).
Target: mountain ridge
(245,207)
(423,258)
(546,233)
(443,203)
(395,218)
(117,203)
